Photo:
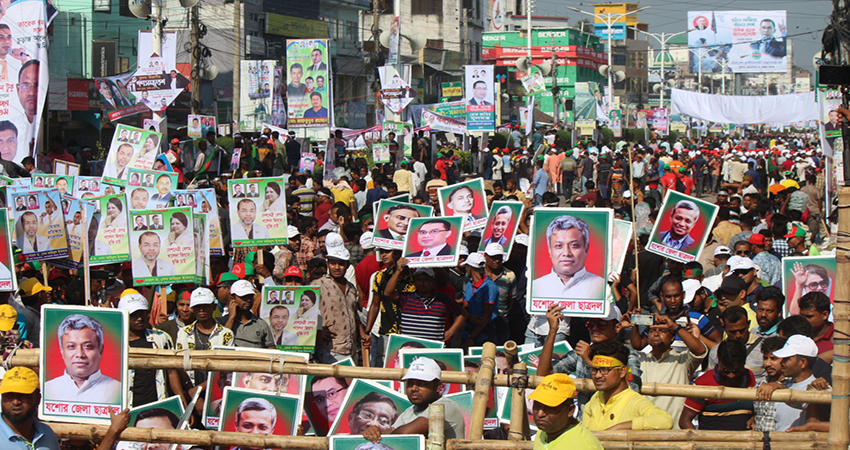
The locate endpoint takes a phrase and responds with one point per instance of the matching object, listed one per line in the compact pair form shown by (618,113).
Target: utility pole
(466,51)
(237,63)
(196,79)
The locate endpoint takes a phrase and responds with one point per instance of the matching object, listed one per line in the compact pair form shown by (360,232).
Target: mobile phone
(642,319)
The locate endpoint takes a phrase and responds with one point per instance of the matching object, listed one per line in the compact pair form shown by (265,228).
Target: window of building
(618,60)
(386,6)
(426,7)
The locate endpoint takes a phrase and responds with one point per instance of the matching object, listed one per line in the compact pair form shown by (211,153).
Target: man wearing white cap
(248,329)
(146,386)
(338,307)
(506,281)
(799,354)
(204,332)
(423,387)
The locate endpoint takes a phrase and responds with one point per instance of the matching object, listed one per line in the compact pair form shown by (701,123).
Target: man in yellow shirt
(615,406)
(403,179)
(553,410)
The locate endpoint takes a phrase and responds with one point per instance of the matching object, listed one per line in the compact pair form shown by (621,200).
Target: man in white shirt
(568,242)
(799,354)
(149,265)
(81,345)
(246,228)
(278,318)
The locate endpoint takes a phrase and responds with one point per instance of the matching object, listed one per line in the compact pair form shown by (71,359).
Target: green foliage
(607,134)
(464,160)
(565,137)
(499,140)
(673,137)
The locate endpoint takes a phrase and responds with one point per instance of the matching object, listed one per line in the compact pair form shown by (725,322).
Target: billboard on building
(497,15)
(260,95)
(748,41)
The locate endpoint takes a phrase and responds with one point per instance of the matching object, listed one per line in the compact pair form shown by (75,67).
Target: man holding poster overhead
(569,244)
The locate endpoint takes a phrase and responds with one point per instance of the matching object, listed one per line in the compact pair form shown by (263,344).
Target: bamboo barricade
(483,382)
(436,427)
(519,416)
(839,431)
(225,361)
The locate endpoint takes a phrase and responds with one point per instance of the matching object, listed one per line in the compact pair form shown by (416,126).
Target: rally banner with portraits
(746,41)
(78,214)
(393,52)
(388,442)
(502,224)
(202,201)
(805,274)
(434,241)
(251,411)
(465,200)
(292,313)
(88,187)
(150,189)
(257,212)
(131,148)
(388,405)
(162,246)
(830,129)
(480,98)
(450,359)
(568,261)
(24,76)
(40,227)
(396,92)
(682,227)
(199,126)
(100,333)
(439,122)
(112,241)
(306,61)
(392,219)
(62,183)
(162,414)
(403,135)
(8,282)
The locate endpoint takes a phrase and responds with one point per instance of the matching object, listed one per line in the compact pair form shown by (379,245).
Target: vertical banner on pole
(480,101)
(308,103)
(395,34)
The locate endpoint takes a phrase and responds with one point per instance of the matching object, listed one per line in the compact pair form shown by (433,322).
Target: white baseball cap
(201,296)
(722,250)
(613,313)
(464,250)
(475,260)
(292,231)
(741,264)
(132,303)
(334,240)
(338,252)
(366,241)
(691,286)
(423,369)
(797,345)
(242,288)
(521,239)
(494,249)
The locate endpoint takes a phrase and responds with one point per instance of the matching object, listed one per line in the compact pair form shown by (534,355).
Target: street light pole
(662,39)
(609,20)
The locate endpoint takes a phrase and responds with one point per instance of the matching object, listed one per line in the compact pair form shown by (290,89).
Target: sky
(806,18)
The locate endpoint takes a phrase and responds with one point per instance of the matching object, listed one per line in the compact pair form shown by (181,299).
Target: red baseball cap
(757,239)
(293,271)
(175,141)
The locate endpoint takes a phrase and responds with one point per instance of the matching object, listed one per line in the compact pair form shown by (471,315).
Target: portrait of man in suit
(156,222)
(140,224)
(316,57)
(238,191)
(149,264)
(768,44)
(701,23)
(176,80)
(479,93)
(398,219)
(682,221)
(31,241)
(432,237)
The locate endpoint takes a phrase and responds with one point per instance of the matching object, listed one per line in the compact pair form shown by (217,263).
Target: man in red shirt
(367,266)
(668,181)
(814,306)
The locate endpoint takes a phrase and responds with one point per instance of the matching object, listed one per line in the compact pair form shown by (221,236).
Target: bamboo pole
(519,414)
(839,432)
(456,444)
(436,427)
(483,382)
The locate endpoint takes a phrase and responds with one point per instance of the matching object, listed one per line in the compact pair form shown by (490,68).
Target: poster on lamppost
(396,92)
(162,254)
(746,41)
(306,60)
(395,38)
(257,211)
(256,106)
(40,226)
(480,98)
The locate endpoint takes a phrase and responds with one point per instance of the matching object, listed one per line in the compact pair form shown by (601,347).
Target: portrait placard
(87,187)
(568,260)
(501,226)
(161,414)
(63,183)
(131,148)
(78,214)
(398,342)
(804,274)
(433,241)
(388,442)
(83,389)
(203,201)
(449,359)
(112,242)
(682,227)
(392,219)
(323,398)
(257,212)
(364,398)
(162,246)
(199,126)
(8,282)
(292,313)
(250,411)
(466,200)
(620,240)
(40,228)
(150,189)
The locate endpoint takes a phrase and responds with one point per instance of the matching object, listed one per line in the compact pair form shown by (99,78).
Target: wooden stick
(482,390)
(456,444)
(839,431)
(436,427)
(45,272)
(163,301)
(519,414)
(260,262)
(85,247)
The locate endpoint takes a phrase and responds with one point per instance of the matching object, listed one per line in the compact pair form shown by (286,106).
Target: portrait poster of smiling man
(501,225)
(466,200)
(293,316)
(682,227)
(433,241)
(568,260)
(163,254)
(131,147)
(83,365)
(257,212)
(258,412)
(392,220)
(39,229)
(367,403)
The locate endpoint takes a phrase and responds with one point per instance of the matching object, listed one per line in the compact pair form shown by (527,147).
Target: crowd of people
(721,320)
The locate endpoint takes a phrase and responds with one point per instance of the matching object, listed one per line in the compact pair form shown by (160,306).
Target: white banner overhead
(745,109)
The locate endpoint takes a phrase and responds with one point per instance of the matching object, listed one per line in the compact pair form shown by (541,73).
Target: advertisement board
(751,41)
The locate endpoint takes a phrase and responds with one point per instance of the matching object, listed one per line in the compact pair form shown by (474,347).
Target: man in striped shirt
(425,312)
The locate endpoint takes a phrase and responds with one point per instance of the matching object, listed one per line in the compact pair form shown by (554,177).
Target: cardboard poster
(202,201)
(257,212)
(403,135)
(63,183)
(308,162)
(384,403)
(306,61)
(112,241)
(102,334)
(89,187)
(480,98)
(531,357)
(380,152)
(392,220)
(450,359)
(568,260)
(399,342)
(620,240)
(804,274)
(40,225)
(395,38)
(434,241)
(292,313)
(250,411)
(465,200)
(163,414)
(162,246)
(502,224)
(213,394)
(277,383)
(199,126)
(131,148)
(323,399)
(78,213)
(8,281)
(150,189)
(388,442)
(201,231)
(682,227)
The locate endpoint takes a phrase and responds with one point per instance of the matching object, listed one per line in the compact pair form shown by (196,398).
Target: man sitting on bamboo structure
(719,414)
(602,330)
(423,387)
(667,365)
(553,410)
(615,406)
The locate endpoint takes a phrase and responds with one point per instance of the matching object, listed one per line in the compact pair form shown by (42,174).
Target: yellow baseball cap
(32,286)
(19,380)
(554,390)
(8,317)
